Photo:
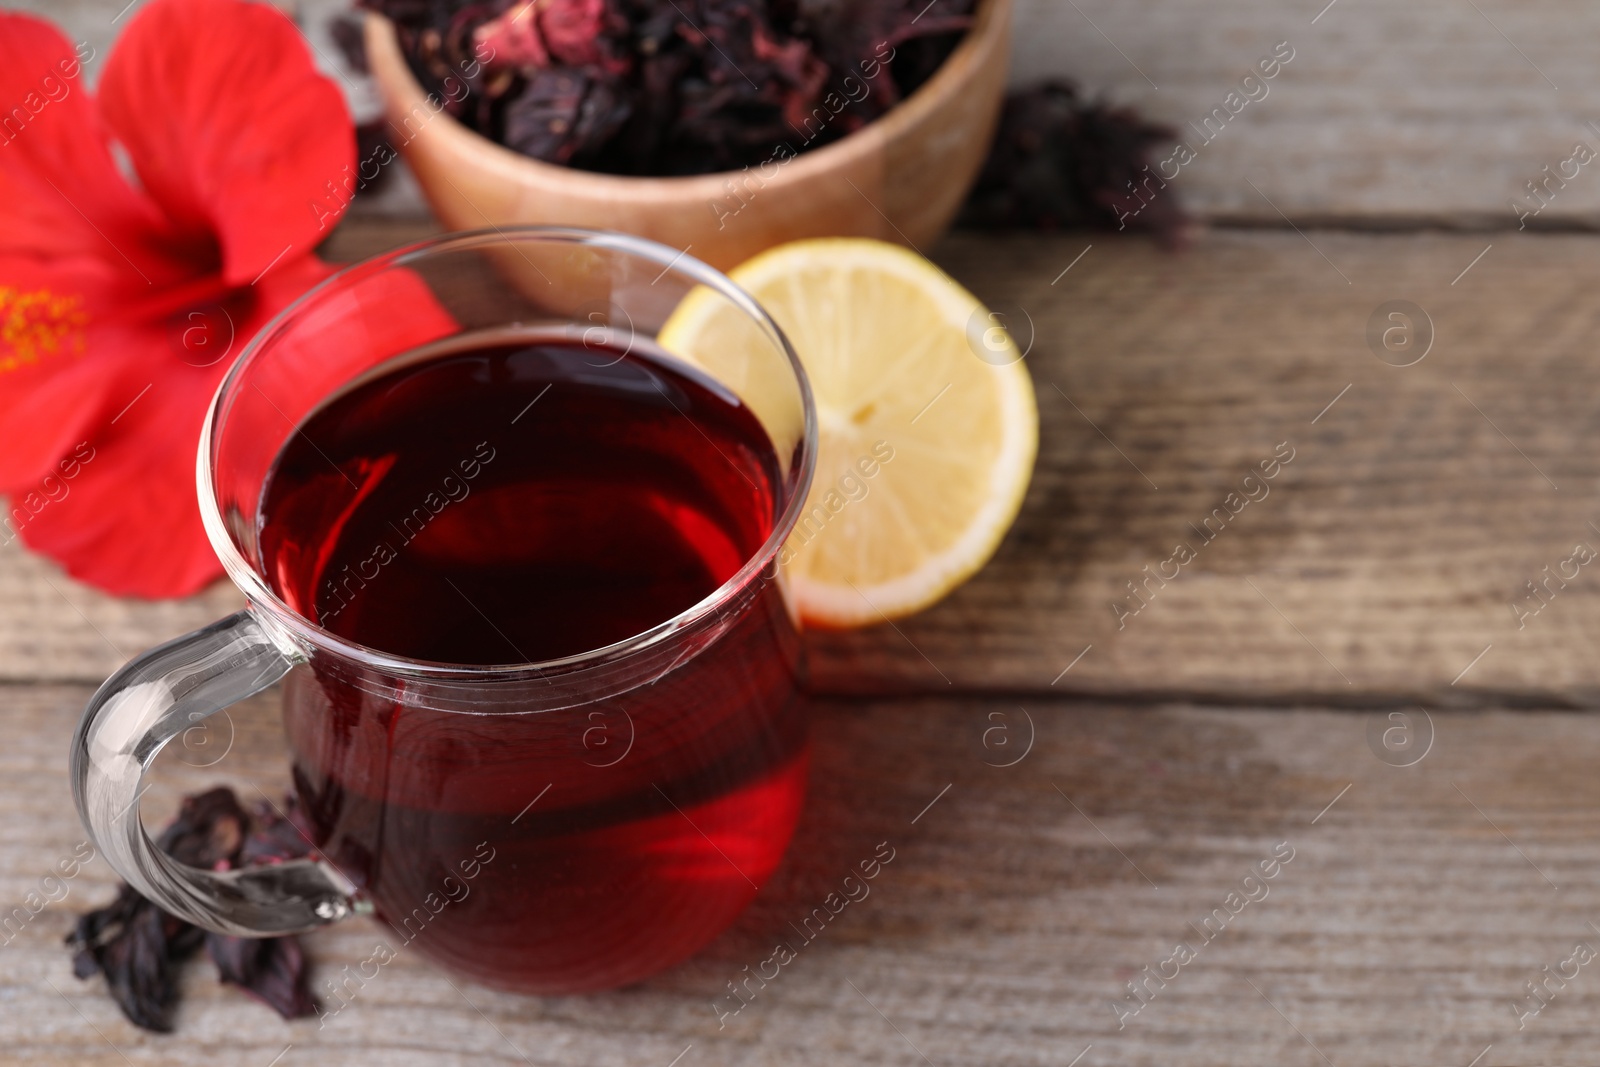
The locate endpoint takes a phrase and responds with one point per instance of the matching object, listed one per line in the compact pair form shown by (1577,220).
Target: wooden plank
(1016,910)
(1431,111)
(1390,550)
(1425,112)
(1386,558)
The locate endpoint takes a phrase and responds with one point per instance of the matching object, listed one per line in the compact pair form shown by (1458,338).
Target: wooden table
(1071,789)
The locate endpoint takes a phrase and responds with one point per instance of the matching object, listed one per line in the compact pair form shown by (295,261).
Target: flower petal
(231,128)
(60,191)
(128,521)
(363,323)
(58,360)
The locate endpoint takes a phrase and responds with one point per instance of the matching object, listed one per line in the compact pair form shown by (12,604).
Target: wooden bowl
(901,178)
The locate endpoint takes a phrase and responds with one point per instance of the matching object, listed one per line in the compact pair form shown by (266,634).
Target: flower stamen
(36,323)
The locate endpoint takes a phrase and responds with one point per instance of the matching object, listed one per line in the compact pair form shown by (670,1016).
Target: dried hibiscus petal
(1060,162)
(663,87)
(668,87)
(271,969)
(542,120)
(513,39)
(138,947)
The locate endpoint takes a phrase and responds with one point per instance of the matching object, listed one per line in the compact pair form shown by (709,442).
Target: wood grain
(1391,549)
(1431,112)
(1017,907)
(1385,559)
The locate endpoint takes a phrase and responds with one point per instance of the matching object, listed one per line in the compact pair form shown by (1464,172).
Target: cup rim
(302,631)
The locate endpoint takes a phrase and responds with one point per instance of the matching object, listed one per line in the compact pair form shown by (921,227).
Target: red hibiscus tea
(521,498)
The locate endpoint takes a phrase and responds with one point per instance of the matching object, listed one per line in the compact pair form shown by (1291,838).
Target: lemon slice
(928,422)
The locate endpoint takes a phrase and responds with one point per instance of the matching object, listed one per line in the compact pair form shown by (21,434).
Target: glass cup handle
(157,696)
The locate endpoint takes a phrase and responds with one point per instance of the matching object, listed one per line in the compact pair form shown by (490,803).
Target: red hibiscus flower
(123,297)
